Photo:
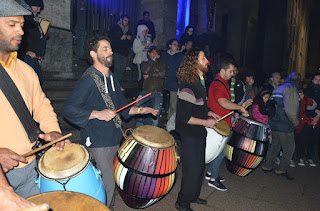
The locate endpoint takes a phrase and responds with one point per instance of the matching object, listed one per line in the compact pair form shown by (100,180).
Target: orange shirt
(13,135)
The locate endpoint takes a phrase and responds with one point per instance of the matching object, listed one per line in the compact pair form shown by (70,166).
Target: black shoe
(178,207)
(200,201)
(285,176)
(221,179)
(208,177)
(217,185)
(266,170)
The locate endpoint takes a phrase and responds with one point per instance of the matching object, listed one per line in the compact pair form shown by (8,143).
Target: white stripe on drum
(122,177)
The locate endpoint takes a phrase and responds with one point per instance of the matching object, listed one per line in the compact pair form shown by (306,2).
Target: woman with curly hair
(191,120)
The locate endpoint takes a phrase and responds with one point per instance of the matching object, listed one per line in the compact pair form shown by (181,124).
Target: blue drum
(70,170)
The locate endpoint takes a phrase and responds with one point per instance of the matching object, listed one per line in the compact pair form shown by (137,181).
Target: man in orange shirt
(20,172)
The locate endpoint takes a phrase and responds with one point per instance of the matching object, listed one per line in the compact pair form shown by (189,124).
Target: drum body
(247,146)
(66,200)
(216,140)
(145,166)
(70,170)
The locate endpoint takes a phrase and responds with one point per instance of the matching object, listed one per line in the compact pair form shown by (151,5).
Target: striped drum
(247,146)
(144,168)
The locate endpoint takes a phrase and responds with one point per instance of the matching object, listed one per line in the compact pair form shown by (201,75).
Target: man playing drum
(191,120)
(92,105)
(20,171)
(219,101)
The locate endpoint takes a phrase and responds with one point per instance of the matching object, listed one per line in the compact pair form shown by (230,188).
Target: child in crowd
(263,108)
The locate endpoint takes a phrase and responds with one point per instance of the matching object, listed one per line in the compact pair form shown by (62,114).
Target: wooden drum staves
(247,146)
(145,166)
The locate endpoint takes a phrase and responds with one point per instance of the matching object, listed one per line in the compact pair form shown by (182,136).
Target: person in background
(146,21)
(263,107)
(33,45)
(186,36)
(274,81)
(306,132)
(153,72)
(140,48)
(186,47)
(172,58)
(283,125)
(121,40)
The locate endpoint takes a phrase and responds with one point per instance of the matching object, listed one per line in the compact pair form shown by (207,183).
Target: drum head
(222,128)
(66,200)
(251,121)
(153,137)
(59,165)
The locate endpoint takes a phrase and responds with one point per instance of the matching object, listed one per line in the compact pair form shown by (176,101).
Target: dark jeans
(154,101)
(119,65)
(193,165)
(34,63)
(306,140)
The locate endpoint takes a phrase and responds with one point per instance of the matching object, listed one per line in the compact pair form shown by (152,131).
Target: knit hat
(9,8)
(36,3)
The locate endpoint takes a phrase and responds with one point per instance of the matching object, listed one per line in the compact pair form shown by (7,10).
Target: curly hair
(188,70)
(92,44)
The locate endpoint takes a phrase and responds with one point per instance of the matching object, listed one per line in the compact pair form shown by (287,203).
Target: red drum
(247,146)
(145,166)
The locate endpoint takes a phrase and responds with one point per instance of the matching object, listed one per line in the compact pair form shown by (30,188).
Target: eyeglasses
(175,45)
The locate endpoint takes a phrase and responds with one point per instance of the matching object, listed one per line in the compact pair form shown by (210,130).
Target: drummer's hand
(11,201)
(210,123)
(148,110)
(52,136)
(247,103)
(244,112)
(9,159)
(214,115)
(104,115)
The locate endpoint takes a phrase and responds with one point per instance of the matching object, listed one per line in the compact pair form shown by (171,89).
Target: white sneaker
(301,162)
(310,162)
(277,161)
(292,164)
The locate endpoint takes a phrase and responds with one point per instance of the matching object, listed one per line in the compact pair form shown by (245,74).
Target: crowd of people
(177,79)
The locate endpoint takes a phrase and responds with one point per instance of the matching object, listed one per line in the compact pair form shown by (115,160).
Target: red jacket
(305,103)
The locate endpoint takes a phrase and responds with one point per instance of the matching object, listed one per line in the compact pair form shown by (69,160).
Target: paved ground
(257,191)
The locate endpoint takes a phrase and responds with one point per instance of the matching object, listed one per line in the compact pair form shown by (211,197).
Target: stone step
(59,84)
(58,93)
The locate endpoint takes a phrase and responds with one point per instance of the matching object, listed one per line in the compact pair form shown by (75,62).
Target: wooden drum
(145,166)
(66,200)
(247,146)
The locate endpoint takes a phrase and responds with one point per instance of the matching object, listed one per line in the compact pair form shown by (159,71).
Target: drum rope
(63,184)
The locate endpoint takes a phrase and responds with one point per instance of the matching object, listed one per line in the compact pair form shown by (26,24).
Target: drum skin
(66,200)
(144,174)
(247,146)
(86,180)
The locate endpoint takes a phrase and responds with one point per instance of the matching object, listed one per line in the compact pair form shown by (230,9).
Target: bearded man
(92,105)
(191,120)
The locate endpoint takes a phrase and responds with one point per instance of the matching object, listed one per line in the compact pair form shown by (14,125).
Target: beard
(203,69)
(106,61)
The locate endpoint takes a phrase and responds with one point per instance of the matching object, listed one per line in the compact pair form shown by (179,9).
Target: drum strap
(217,79)
(16,101)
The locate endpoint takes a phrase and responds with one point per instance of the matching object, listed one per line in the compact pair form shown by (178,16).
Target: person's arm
(291,105)
(138,46)
(9,199)
(228,105)
(143,110)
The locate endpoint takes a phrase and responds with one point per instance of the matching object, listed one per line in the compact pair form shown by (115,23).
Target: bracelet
(139,110)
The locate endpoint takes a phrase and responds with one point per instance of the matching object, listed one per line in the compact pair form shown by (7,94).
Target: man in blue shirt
(92,105)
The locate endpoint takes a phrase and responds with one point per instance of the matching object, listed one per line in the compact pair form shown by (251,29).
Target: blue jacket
(83,100)
(173,64)
(286,118)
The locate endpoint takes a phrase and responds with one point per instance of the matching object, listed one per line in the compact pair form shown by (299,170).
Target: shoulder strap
(15,99)
(105,96)
(217,79)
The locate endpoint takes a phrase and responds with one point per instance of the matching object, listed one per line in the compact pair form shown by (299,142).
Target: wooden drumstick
(46,145)
(41,207)
(225,116)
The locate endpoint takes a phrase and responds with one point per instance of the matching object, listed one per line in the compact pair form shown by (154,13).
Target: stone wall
(163,13)
(57,12)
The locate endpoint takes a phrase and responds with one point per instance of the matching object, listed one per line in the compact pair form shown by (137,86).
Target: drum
(216,140)
(70,170)
(66,200)
(145,166)
(247,146)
